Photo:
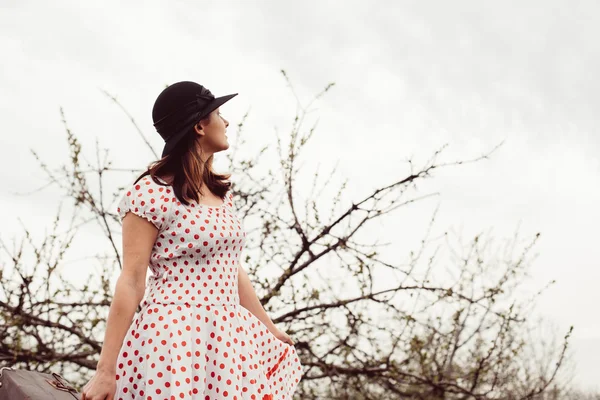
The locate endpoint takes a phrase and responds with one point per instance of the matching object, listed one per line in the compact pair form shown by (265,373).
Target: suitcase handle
(61,384)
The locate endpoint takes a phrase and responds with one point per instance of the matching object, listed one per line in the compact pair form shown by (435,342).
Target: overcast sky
(410,77)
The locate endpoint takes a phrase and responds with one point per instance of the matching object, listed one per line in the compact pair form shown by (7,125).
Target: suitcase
(20,384)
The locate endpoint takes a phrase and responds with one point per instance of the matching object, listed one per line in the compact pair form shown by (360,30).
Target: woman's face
(212,134)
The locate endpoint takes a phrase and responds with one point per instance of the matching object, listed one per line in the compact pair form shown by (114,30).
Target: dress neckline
(222,205)
(208,206)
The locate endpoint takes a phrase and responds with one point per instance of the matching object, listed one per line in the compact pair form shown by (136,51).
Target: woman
(201,332)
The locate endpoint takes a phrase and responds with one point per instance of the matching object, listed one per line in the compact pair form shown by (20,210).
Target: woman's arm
(139,236)
(249,299)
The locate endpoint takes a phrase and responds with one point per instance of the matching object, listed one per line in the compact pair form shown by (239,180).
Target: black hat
(179,107)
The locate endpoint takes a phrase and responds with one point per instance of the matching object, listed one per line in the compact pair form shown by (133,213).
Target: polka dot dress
(192,339)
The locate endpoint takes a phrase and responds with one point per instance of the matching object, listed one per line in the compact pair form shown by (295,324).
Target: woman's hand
(102,386)
(284,337)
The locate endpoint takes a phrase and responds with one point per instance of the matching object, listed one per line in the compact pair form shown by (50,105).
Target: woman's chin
(225,145)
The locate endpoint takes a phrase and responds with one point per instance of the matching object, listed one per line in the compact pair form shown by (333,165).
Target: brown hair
(187,172)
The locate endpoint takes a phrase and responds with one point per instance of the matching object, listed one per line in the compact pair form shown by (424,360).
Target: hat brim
(210,107)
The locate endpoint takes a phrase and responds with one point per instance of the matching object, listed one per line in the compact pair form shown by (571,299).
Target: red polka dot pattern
(192,339)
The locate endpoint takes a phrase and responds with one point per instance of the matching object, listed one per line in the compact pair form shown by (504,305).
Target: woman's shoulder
(151,182)
(148,199)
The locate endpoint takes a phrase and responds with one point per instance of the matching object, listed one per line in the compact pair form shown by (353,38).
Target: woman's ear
(198,128)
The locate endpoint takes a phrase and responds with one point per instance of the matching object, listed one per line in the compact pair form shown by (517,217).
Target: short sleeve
(148,200)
